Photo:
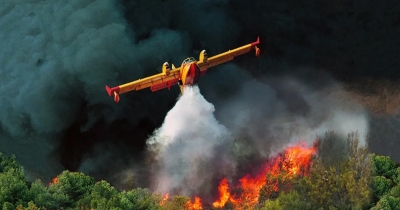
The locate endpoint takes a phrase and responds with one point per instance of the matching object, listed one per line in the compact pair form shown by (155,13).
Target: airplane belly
(193,75)
(196,73)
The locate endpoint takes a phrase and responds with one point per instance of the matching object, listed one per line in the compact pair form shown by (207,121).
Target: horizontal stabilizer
(108,90)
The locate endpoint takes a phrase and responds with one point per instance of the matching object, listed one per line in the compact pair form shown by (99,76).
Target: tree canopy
(343,175)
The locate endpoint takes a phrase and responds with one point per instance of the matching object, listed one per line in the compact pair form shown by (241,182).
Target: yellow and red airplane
(187,74)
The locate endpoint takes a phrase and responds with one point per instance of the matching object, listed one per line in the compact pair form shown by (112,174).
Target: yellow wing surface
(168,77)
(155,82)
(204,63)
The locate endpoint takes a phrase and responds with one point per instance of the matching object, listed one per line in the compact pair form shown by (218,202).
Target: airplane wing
(204,64)
(155,82)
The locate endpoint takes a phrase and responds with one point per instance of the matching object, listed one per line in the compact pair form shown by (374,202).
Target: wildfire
(54,180)
(224,194)
(196,205)
(164,200)
(295,160)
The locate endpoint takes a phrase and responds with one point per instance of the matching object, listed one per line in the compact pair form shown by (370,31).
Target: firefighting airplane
(187,74)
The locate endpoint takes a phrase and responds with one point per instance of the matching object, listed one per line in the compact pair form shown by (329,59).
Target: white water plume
(187,141)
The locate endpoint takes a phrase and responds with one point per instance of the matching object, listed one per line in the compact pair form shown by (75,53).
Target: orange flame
(164,200)
(224,194)
(54,180)
(196,205)
(250,190)
(294,160)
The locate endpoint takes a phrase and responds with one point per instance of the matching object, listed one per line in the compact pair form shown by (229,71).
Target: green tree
(69,188)
(384,166)
(13,185)
(139,199)
(8,206)
(360,164)
(387,202)
(45,198)
(397,177)
(385,183)
(102,196)
(178,202)
(31,206)
(341,184)
(272,205)
(74,184)
(292,201)
(13,188)
(10,163)
(381,186)
(395,191)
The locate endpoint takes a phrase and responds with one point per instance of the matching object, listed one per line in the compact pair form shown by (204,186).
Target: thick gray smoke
(55,59)
(193,147)
(50,63)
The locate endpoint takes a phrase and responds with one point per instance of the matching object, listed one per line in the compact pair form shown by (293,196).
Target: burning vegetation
(335,173)
(294,160)
(54,180)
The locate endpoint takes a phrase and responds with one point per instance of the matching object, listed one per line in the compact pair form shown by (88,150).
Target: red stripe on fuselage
(193,74)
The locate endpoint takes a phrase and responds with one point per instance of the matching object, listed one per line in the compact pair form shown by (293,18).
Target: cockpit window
(188,60)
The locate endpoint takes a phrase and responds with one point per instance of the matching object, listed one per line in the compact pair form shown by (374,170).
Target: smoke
(50,65)
(186,142)
(283,110)
(257,122)
(56,58)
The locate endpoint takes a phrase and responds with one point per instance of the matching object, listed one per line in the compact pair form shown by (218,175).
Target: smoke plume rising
(192,145)
(56,58)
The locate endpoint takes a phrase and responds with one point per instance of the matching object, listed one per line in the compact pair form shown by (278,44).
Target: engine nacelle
(165,68)
(203,56)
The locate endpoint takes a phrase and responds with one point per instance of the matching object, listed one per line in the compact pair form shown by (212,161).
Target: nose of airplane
(192,66)
(194,72)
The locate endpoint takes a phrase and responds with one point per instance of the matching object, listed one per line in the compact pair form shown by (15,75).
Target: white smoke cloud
(186,141)
(280,111)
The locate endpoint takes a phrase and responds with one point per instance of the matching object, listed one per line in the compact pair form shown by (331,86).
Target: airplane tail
(256,47)
(113,92)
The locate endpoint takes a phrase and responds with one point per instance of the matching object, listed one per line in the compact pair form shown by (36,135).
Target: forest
(342,174)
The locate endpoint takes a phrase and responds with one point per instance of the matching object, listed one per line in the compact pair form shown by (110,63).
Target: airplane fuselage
(189,73)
